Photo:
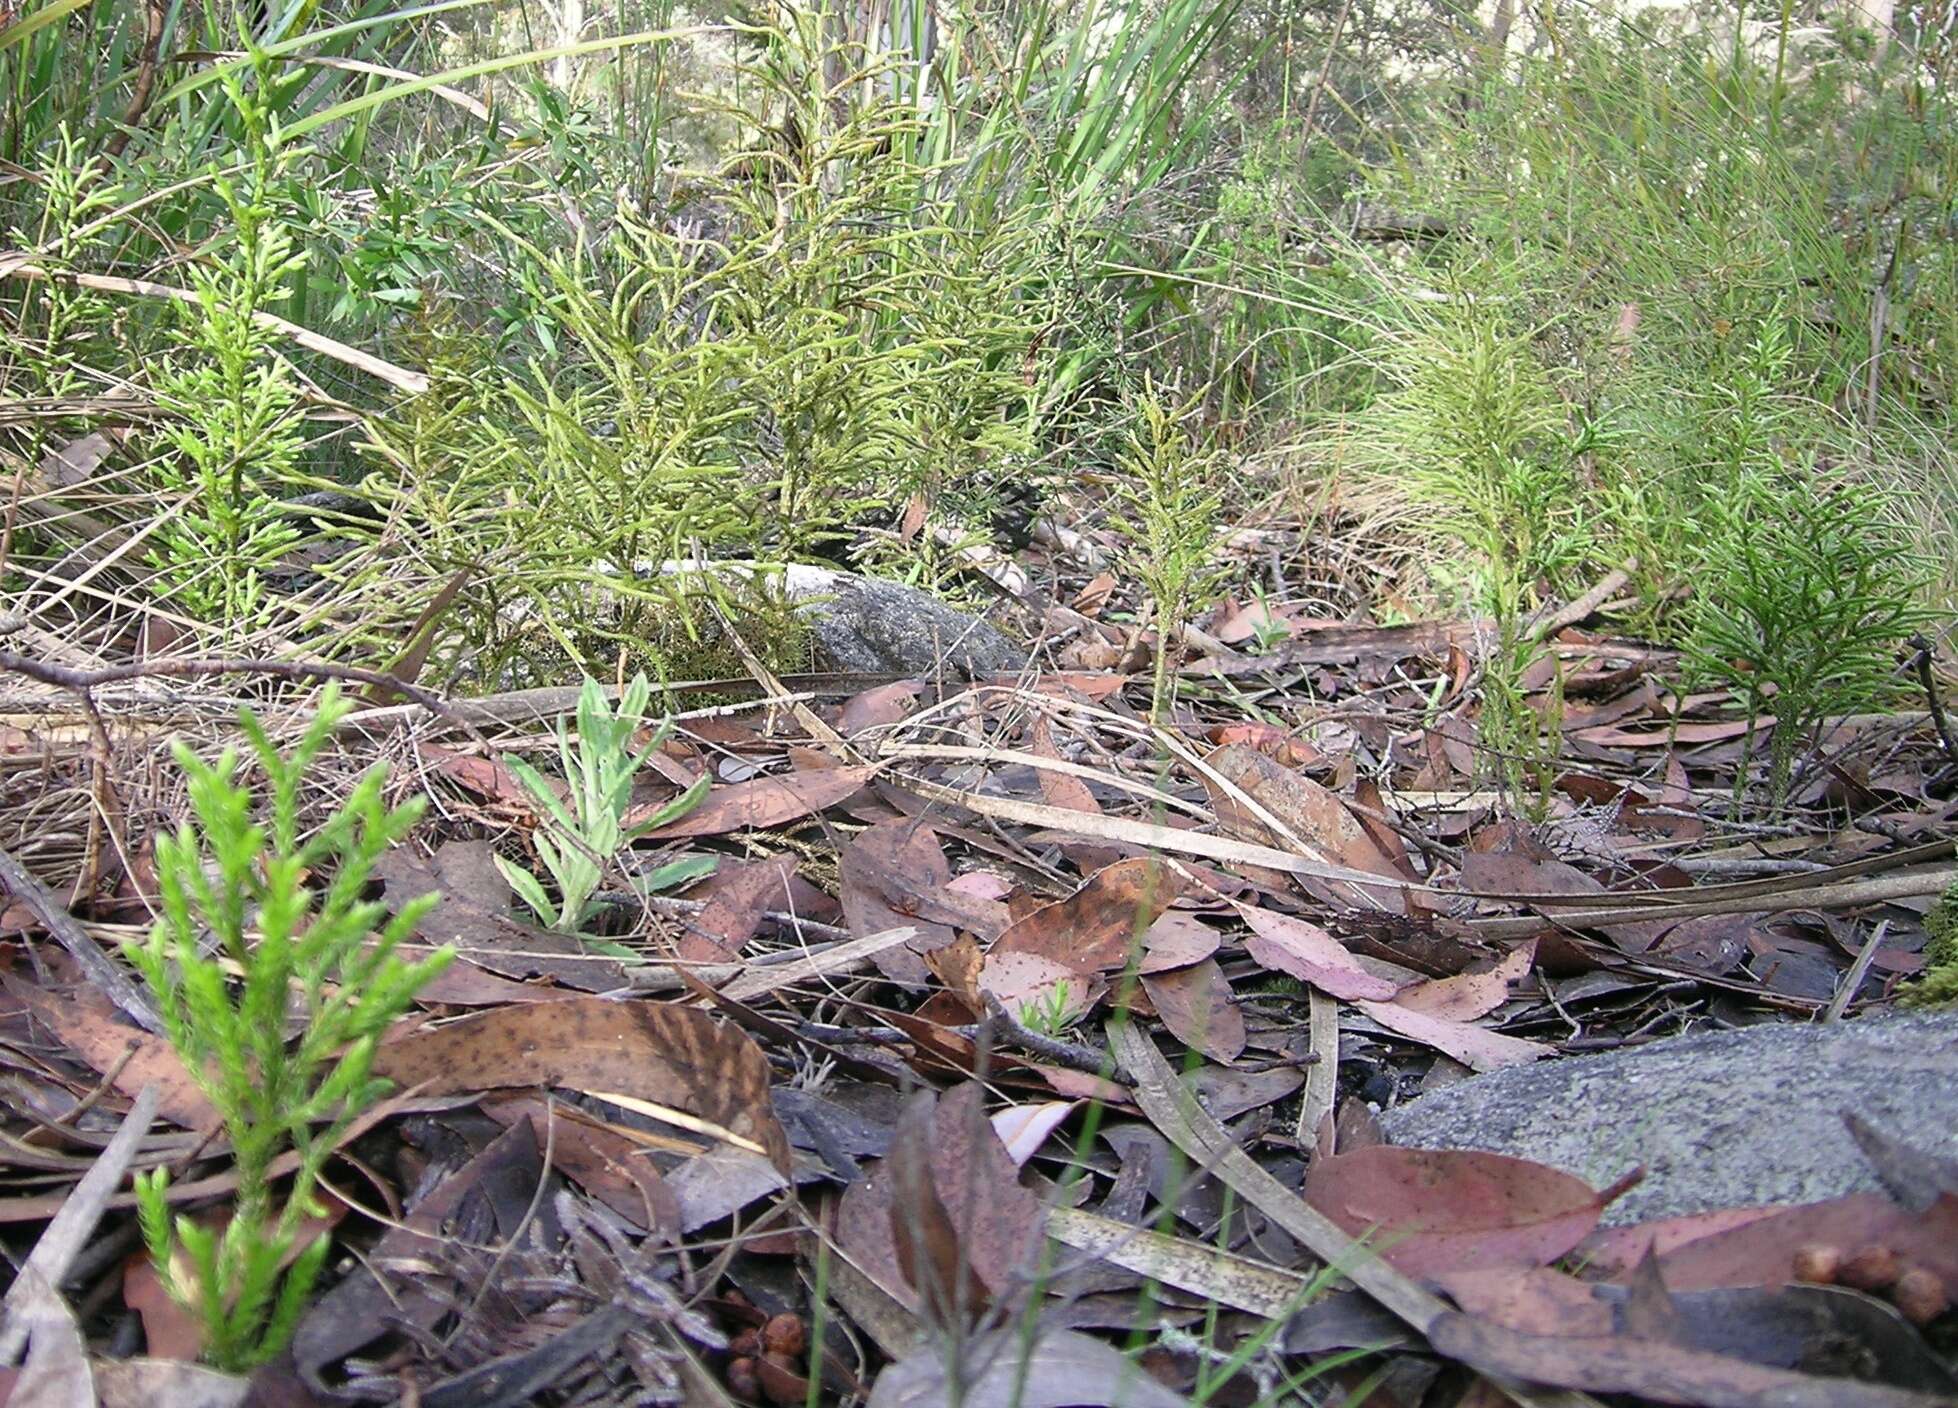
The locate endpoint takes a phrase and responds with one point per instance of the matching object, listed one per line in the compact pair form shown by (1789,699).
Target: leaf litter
(1021,1050)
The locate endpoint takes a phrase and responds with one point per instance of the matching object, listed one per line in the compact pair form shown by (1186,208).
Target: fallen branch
(96,965)
(1585,605)
(402,379)
(81,681)
(1879,891)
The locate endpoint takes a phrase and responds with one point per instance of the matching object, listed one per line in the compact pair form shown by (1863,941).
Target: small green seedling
(316,952)
(578,841)
(1166,510)
(1051,1012)
(1268,629)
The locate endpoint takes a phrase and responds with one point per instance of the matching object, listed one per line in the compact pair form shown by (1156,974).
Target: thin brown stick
(71,1228)
(1586,605)
(1922,663)
(1325,71)
(401,378)
(64,677)
(999,1025)
(155,13)
(100,969)
(1881,890)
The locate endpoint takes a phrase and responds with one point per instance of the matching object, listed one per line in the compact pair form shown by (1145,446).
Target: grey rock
(868,625)
(879,627)
(1739,1118)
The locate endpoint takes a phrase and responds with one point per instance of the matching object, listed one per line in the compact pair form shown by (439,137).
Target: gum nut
(1870,1268)
(1920,1295)
(784,1334)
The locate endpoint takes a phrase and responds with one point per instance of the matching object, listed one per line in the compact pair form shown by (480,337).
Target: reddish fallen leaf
(1670,797)
(486,777)
(1091,685)
(937,1049)
(606,1162)
(1514,876)
(1665,737)
(1059,788)
(1754,1247)
(1176,940)
(765,802)
(1071,1084)
(463,984)
(883,875)
(736,897)
(991,1226)
(959,908)
(1091,598)
(934,1253)
(1195,1004)
(1023,980)
(1099,927)
(1241,621)
(1478,1048)
(1270,740)
(655,1052)
(958,965)
(981,885)
(1370,810)
(1307,810)
(1537,1299)
(1307,952)
(1427,1211)
(1476,993)
(879,707)
(1612,1252)
(137,1058)
(169,1330)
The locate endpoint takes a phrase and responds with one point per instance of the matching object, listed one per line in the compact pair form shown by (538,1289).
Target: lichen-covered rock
(878,627)
(1718,1119)
(856,624)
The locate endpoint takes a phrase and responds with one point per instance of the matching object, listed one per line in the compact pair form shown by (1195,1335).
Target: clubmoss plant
(290,948)
(1476,430)
(1167,513)
(578,841)
(237,435)
(1804,600)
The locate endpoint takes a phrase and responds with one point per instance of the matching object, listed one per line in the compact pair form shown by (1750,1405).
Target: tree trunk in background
(1879,16)
(571,24)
